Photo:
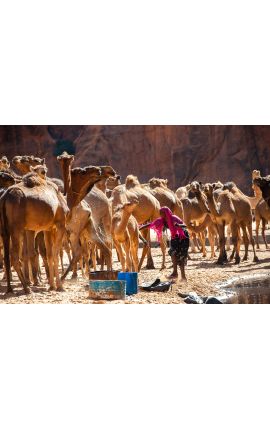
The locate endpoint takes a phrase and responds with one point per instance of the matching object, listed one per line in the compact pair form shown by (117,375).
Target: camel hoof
(220,262)
(51,288)
(237,260)
(149,267)
(27,290)
(9,291)
(245,258)
(74,276)
(256,260)
(60,289)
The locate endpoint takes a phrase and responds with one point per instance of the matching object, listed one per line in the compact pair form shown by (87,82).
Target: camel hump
(32,179)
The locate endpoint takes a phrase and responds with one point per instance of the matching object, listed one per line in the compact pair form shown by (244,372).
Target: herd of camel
(89,212)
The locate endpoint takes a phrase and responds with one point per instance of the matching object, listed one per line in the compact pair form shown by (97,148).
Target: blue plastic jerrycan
(131,279)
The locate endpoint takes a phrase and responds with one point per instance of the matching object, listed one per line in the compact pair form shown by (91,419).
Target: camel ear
(32,169)
(43,161)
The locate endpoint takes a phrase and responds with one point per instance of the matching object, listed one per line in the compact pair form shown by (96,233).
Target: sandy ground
(203,275)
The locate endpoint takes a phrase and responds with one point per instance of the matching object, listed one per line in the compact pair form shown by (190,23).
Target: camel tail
(6,241)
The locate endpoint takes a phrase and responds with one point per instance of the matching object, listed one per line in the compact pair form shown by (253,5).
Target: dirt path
(202,273)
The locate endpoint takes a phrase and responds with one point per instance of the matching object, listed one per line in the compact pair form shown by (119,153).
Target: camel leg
(211,237)
(134,254)
(228,238)
(258,221)
(128,255)
(16,238)
(121,255)
(236,242)
(42,250)
(222,252)
(48,238)
(32,256)
(263,233)
(58,240)
(251,239)
(150,262)
(202,235)
(25,259)
(246,242)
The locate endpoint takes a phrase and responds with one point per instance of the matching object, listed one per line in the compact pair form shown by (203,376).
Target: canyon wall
(179,153)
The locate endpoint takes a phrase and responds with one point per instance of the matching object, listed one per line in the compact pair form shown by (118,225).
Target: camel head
(82,182)
(4,163)
(130,205)
(218,185)
(107,172)
(157,182)
(208,189)
(230,186)
(132,181)
(41,170)
(256,174)
(24,162)
(6,179)
(197,189)
(113,181)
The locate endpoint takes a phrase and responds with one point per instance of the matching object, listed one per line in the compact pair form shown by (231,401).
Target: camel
(76,188)
(147,209)
(33,205)
(262,213)
(195,210)
(231,208)
(125,233)
(82,231)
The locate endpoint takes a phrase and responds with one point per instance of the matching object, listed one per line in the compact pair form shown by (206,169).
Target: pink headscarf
(171,219)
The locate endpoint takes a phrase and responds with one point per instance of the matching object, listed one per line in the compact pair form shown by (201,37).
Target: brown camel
(125,232)
(195,209)
(231,208)
(147,209)
(33,205)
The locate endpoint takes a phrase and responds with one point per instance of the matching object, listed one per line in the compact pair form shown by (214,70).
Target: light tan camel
(34,205)
(76,188)
(82,233)
(147,209)
(125,232)
(231,208)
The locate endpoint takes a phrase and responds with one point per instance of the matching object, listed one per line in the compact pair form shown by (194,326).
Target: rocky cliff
(179,153)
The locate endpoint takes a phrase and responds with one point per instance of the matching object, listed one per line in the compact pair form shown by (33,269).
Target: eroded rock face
(179,153)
